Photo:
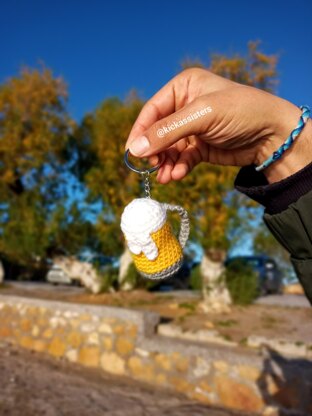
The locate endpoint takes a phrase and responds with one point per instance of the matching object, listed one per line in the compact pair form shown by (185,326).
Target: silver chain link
(147,186)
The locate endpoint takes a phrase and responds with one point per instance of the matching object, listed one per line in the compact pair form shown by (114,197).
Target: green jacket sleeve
(293,229)
(288,214)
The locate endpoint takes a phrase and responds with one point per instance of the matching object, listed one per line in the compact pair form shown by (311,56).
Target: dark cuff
(275,197)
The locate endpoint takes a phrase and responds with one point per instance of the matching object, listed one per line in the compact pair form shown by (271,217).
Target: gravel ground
(33,384)
(290,301)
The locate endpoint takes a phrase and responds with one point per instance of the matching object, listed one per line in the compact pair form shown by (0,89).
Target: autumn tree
(100,141)
(35,215)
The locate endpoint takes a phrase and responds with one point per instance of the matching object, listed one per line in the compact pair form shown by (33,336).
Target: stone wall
(124,342)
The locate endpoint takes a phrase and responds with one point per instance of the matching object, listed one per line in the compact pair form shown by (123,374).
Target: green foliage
(132,276)
(196,281)
(109,279)
(242,282)
(227,323)
(136,280)
(256,68)
(187,305)
(35,217)
(100,150)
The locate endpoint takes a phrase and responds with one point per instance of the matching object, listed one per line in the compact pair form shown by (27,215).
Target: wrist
(296,157)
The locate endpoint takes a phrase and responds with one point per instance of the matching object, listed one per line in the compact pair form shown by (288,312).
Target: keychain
(155,250)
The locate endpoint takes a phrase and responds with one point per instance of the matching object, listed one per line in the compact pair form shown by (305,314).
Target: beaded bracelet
(289,141)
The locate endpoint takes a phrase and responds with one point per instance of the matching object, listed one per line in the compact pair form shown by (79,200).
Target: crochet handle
(185,222)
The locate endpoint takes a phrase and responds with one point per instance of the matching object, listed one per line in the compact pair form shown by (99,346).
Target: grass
(243,341)
(227,323)
(269,321)
(186,305)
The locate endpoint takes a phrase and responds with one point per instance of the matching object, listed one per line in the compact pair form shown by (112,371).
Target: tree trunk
(1,273)
(216,297)
(125,261)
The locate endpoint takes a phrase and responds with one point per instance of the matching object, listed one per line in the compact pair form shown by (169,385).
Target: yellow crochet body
(169,252)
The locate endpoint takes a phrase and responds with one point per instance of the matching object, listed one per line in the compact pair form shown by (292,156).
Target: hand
(201,117)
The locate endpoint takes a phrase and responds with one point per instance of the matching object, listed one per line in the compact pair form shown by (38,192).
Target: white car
(57,275)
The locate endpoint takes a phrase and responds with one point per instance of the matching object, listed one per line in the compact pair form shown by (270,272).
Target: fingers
(193,119)
(179,161)
(188,159)
(162,104)
(190,84)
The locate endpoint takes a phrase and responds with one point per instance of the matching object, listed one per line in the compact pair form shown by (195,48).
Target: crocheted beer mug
(157,253)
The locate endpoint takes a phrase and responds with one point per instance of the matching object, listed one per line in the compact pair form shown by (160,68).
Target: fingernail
(139,146)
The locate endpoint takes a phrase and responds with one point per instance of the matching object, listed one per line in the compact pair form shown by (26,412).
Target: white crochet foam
(139,219)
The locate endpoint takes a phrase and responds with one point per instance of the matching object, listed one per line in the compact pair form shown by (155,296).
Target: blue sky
(105,49)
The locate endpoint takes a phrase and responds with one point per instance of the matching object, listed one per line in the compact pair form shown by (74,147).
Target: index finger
(162,104)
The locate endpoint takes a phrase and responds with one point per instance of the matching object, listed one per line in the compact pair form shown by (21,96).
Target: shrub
(136,280)
(196,281)
(109,279)
(242,282)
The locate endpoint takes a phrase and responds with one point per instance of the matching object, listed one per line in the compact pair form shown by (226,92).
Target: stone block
(163,361)
(93,339)
(181,384)
(26,325)
(221,366)
(5,332)
(236,395)
(89,356)
(202,367)
(48,333)
(72,355)
(39,345)
(112,363)
(26,342)
(107,343)
(119,329)
(105,328)
(57,347)
(124,346)
(135,365)
(248,372)
(74,339)
(35,331)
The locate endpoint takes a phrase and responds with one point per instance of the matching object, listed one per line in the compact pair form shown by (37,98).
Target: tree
(36,217)
(101,139)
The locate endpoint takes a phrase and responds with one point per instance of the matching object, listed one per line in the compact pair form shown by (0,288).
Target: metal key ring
(140,171)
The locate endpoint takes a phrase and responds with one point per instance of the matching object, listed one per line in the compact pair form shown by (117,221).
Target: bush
(136,280)
(109,279)
(242,282)
(196,281)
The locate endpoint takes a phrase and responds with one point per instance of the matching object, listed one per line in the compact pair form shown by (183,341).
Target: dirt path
(33,384)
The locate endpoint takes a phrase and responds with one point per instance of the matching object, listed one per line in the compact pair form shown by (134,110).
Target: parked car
(269,275)
(179,281)
(57,275)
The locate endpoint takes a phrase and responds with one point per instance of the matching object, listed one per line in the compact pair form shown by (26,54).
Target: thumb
(190,120)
